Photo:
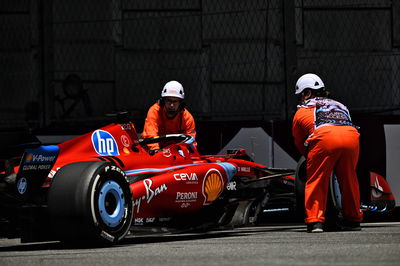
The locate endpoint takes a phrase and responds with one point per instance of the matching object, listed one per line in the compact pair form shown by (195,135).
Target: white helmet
(310,81)
(173,89)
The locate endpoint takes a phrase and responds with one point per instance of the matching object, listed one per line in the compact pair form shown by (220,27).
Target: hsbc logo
(104,143)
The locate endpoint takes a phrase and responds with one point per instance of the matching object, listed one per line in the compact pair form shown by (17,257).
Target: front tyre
(90,202)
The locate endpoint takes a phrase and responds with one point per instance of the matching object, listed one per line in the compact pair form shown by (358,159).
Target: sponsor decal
(185,205)
(126,127)
(28,167)
(167,152)
(245,169)
(212,185)
(190,178)
(172,91)
(139,221)
(125,141)
(126,150)
(151,192)
(150,220)
(144,221)
(39,158)
(29,157)
(231,185)
(22,185)
(104,143)
(186,197)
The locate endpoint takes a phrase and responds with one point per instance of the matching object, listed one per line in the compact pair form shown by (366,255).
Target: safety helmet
(173,89)
(310,81)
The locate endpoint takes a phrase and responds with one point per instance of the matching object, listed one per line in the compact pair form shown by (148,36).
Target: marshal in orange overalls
(328,146)
(157,124)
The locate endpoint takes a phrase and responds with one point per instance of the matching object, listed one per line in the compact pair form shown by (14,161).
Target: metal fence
(66,62)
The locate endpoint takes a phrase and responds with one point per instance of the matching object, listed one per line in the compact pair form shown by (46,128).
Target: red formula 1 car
(99,186)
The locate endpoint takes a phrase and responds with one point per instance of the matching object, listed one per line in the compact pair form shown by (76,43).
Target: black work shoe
(317,227)
(345,225)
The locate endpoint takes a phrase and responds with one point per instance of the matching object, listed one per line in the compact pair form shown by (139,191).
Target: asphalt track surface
(282,244)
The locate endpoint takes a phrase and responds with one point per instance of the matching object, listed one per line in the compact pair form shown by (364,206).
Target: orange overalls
(157,124)
(324,134)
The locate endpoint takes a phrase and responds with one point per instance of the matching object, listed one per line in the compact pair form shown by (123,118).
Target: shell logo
(213,185)
(29,157)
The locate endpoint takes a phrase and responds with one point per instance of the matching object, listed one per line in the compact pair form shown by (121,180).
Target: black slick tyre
(90,202)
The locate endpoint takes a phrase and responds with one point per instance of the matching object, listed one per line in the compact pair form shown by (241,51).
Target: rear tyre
(245,213)
(90,202)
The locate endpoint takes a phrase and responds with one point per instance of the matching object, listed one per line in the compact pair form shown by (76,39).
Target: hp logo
(104,143)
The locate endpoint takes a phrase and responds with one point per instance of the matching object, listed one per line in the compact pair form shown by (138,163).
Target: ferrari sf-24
(100,186)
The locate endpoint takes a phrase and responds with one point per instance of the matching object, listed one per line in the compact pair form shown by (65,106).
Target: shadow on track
(149,237)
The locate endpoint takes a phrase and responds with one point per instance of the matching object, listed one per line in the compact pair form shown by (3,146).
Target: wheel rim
(111,204)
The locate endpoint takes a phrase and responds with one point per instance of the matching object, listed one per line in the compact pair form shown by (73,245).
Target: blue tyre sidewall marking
(114,219)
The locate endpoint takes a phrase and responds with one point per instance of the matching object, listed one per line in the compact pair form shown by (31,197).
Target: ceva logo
(104,143)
